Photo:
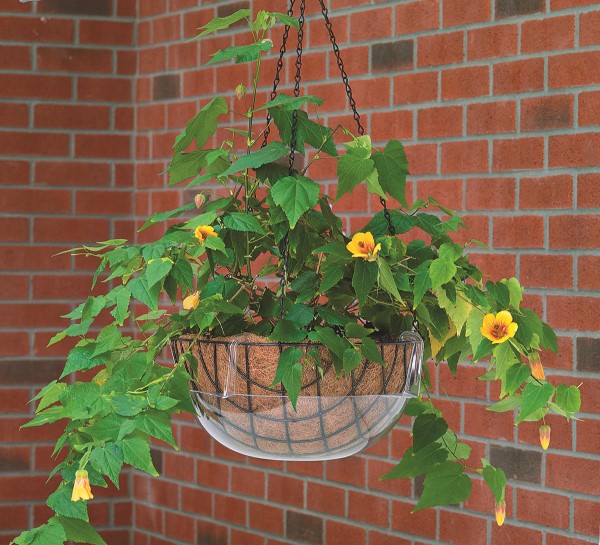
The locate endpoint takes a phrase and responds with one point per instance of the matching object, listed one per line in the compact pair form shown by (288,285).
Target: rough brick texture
(497,103)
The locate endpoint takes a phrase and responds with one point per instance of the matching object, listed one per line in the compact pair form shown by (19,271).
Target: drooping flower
(498,328)
(363,245)
(202,232)
(500,512)
(537,370)
(545,436)
(81,488)
(191,301)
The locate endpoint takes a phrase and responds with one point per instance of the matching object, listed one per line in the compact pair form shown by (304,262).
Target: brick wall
(497,102)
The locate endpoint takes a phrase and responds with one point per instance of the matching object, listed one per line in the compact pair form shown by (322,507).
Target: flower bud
(537,370)
(240,91)
(545,436)
(199,199)
(500,512)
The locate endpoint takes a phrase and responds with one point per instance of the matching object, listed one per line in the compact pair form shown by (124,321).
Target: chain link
(277,80)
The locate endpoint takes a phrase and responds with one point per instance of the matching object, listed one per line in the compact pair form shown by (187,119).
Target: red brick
(104,89)
(14,287)
(15,258)
(439,49)
(462,529)
(465,156)
(573,312)
(440,122)
(463,12)
(61,286)
(24,487)
(396,487)
(518,76)
(377,538)
(555,512)
(588,195)
(71,174)
(230,509)
(518,154)
(347,470)
(519,232)
(35,201)
(553,539)
(14,115)
(491,117)
(114,146)
(547,192)
(372,93)
(35,30)
(166,29)
(103,202)
(548,34)
(149,518)
(547,271)
(339,533)
(466,384)
(286,490)
(422,158)
(470,81)
(421,523)
(397,124)
(515,534)
(197,501)
(326,499)
(581,231)
(489,42)
(15,57)
(588,436)
(13,229)
(484,423)
(589,108)
(571,473)
(380,25)
(551,112)
(587,514)
(71,116)
(248,482)
(447,192)
(71,59)
(70,230)
(12,172)
(268,518)
(491,193)
(377,514)
(588,28)
(417,16)
(588,277)
(105,32)
(14,517)
(574,150)
(573,69)
(418,87)
(34,143)
(180,526)
(213,475)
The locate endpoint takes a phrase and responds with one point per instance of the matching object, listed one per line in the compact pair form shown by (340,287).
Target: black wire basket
(335,416)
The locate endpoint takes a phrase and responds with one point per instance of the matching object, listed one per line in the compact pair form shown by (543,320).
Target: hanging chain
(361,130)
(294,130)
(276,81)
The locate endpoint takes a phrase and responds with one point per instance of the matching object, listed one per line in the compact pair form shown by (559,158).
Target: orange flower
(500,512)
(202,232)
(191,301)
(81,488)
(498,328)
(363,245)
(545,436)
(537,370)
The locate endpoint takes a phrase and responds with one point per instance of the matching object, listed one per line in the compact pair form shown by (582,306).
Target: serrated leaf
(108,339)
(415,464)
(427,429)
(136,452)
(121,310)
(370,351)
(295,196)
(128,405)
(534,398)
(202,126)
(157,424)
(159,217)
(445,484)
(392,167)
(441,271)
(354,166)
(108,460)
(241,53)
(315,134)
(386,279)
(507,404)
(143,293)
(496,480)
(220,23)
(364,279)
(157,269)
(516,375)
(47,534)
(504,357)
(351,359)
(238,221)
(288,358)
(79,531)
(292,382)
(268,154)
(81,358)
(49,395)
(568,398)
(60,502)
(291,103)
(422,283)
(458,311)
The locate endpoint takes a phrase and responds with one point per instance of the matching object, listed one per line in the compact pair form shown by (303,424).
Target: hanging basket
(335,416)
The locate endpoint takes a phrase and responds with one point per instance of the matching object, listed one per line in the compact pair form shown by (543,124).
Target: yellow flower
(545,436)
(363,245)
(500,512)
(81,488)
(498,328)
(191,301)
(202,232)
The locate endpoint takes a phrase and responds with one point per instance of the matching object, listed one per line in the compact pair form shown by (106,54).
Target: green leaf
(427,429)
(216,244)
(364,279)
(288,332)
(81,358)
(241,53)
(143,293)
(392,167)
(332,274)
(79,531)
(515,292)
(507,404)
(386,279)
(484,350)
(370,351)
(183,274)
(48,534)
(355,165)
(356,331)
(445,484)
(441,271)
(159,217)
(315,134)
(158,401)
(128,405)
(238,221)
(568,398)
(201,127)
(136,452)
(534,398)
(414,464)
(495,479)
(288,358)
(157,424)
(121,310)
(108,339)
(220,23)
(351,359)
(516,375)
(49,395)
(291,103)
(295,196)
(422,283)
(292,382)
(268,154)
(549,339)
(334,343)
(504,358)
(458,311)
(108,460)
(157,269)
(60,502)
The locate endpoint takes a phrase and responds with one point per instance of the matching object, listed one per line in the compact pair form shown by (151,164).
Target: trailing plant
(270,257)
